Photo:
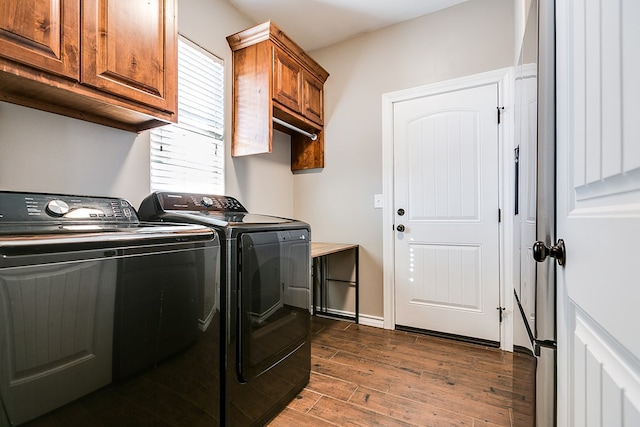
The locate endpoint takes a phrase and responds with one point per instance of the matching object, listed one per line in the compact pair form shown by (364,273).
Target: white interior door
(446,212)
(598,212)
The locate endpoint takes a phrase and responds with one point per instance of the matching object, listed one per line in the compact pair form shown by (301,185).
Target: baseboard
(363,319)
(367,320)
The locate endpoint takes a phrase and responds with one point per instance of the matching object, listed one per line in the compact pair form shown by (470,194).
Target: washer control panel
(34,207)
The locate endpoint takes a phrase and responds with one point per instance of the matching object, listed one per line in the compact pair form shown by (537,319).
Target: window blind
(189,156)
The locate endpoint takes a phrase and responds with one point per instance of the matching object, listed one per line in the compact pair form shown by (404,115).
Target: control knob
(57,208)
(207,202)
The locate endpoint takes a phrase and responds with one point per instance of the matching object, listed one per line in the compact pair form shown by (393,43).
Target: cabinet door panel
(129,49)
(287,79)
(42,34)
(313,98)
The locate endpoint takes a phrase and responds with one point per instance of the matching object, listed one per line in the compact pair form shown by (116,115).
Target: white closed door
(446,212)
(598,212)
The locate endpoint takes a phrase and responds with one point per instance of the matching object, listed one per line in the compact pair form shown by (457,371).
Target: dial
(57,208)
(207,202)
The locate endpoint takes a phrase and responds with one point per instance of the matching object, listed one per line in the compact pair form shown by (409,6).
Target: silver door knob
(557,251)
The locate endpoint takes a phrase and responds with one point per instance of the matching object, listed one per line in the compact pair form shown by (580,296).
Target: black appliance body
(105,320)
(535,127)
(266,271)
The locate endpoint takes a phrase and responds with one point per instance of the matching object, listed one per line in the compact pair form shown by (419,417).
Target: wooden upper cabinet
(274,78)
(104,61)
(126,46)
(42,34)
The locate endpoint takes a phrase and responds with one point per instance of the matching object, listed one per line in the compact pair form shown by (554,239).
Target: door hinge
(500,110)
(500,311)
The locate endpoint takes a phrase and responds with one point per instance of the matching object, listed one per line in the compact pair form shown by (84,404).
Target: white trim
(614,363)
(363,319)
(503,78)
(367,320)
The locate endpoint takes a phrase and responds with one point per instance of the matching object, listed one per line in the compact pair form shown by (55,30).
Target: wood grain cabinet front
(106,61)
(274,78)
(287,81)
(129,50)
(42,34)
(313,98)
(296,88)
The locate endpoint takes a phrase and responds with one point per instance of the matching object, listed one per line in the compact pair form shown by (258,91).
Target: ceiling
(318,23)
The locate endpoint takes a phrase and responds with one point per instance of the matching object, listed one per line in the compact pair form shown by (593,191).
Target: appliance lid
(214,210)
(224,219)
(29,220)
(66,234)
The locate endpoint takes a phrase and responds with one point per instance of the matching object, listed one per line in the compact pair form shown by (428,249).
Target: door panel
(598,213)
(446,182)
(443,160)
(453,271)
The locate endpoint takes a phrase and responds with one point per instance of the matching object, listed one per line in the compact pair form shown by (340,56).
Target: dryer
(266,300)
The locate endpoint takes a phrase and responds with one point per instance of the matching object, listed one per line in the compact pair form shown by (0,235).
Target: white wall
(337,201)
(45,152)
(520,14)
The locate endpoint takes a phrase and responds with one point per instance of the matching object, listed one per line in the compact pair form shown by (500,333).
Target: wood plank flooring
(365,376)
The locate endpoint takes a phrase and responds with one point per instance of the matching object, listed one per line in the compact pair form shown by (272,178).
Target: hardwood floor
(365,376)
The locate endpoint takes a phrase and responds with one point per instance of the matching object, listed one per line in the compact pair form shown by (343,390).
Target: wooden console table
(320,253)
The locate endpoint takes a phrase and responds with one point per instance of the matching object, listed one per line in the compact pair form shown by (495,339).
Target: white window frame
(188,156)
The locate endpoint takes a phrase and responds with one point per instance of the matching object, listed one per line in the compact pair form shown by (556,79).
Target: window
(189,156)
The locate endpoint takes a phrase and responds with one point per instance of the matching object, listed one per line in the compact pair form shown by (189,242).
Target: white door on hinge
(598,211)
(446,198)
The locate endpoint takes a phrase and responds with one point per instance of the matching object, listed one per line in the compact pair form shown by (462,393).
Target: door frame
(503,78)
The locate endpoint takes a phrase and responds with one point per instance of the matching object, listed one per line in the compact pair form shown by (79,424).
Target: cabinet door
(313,98)
(129,48)
(287,81)
(42,34)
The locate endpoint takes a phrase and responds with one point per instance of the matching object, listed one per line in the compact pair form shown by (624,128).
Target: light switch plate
(377,201)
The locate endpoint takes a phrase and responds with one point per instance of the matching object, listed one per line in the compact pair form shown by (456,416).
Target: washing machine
(104,319)
(266,297)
